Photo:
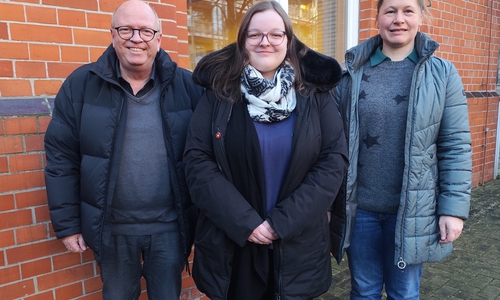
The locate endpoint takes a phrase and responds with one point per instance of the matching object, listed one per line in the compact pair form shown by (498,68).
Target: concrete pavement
(472,272)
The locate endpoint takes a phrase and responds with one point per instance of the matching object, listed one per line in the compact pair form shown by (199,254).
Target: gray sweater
(383,108)
(143,202)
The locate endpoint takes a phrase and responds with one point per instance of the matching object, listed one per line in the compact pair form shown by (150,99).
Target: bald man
(114,175)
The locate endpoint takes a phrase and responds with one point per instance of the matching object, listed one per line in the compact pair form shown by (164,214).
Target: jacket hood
(319,70)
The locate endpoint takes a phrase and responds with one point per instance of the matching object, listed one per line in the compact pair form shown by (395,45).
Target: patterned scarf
(269,101)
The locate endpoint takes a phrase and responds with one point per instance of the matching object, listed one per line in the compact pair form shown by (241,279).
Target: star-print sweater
(383,108)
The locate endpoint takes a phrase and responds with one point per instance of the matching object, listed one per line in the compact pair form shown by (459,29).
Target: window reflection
(213,24)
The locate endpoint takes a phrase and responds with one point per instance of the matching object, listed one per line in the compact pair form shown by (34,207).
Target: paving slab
(471,272)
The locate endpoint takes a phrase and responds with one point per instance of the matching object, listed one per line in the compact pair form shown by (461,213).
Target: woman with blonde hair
(409,178)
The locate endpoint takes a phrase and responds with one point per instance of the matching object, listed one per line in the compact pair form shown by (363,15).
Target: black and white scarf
(269,101)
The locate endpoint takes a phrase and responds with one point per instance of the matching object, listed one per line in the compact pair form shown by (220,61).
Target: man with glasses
(114,175)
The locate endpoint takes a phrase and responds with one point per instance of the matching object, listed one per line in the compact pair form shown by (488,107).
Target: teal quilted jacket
(438,157)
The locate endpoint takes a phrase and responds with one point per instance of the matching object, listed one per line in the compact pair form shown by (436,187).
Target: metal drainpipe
(487,93)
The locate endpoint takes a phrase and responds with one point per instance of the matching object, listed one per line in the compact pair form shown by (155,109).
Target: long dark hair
(226,65)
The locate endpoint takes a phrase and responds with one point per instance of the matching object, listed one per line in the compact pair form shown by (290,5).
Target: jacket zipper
(218,136)
(231,251)
(401,262)
(111,162)
(279,290)
(170,157)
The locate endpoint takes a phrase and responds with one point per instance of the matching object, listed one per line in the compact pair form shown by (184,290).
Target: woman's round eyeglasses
(126,33)
(274,38)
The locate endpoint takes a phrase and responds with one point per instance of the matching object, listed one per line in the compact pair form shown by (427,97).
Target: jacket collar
(105,66)
(378,57)
(358,55)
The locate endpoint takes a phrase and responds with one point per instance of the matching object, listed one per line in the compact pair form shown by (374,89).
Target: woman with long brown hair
(265,157)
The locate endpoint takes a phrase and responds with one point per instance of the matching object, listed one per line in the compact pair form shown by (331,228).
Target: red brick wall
(42,41)
(469,36)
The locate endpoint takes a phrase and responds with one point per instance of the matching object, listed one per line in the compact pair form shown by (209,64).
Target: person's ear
(159,41)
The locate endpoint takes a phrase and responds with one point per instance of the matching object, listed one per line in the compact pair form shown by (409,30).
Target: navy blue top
(276,147)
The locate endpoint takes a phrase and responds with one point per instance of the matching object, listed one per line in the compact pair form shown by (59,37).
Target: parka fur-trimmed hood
(319,70)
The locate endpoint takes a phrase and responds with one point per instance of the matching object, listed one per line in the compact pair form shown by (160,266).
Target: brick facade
(42,41)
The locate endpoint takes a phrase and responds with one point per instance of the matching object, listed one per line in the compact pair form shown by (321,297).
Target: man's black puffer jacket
(86,133)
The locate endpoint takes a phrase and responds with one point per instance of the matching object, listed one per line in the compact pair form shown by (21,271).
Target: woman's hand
(451,228)
(263,234)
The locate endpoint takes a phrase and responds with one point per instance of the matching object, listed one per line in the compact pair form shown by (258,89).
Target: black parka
(318,163)
(84,139)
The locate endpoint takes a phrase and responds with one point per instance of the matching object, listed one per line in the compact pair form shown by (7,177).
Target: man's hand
(450,228)
(75,243)
(263,234)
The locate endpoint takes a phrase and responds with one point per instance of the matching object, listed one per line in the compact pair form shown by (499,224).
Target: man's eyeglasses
(126,33)
(274,38)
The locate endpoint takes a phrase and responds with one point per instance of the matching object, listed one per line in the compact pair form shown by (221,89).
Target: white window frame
(352,35)
(284,4)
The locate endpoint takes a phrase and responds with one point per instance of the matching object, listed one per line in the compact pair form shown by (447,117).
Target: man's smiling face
(135,55)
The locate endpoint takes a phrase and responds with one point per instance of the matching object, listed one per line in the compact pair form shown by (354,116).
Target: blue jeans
(121,267)
(371,260)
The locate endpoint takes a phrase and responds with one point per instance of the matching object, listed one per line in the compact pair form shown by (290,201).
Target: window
(213,24)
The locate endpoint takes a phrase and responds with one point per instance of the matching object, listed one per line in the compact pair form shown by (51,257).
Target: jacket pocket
(428,169)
